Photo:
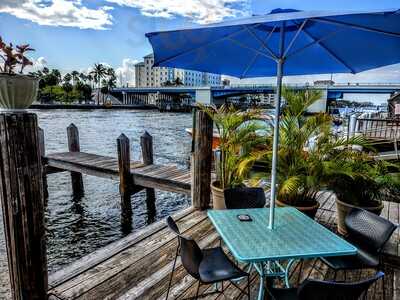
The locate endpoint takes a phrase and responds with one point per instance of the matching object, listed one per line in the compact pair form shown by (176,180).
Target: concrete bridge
(155,95)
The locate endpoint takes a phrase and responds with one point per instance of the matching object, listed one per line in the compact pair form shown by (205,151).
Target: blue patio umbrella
(284,42)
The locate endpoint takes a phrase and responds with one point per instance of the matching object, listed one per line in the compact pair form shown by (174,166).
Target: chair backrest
(191,256)
(324,290)
(245,197)
(368,230)
(172,225)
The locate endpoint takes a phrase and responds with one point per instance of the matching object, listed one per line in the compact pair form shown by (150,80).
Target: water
(77,227)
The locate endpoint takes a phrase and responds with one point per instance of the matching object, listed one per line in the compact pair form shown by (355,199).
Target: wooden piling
(146,143)
(125,183)
(42,149)
(74,146)
(22,204)
(201,161)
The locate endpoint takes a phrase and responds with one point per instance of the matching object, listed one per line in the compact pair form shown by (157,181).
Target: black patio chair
(369,233)
(244,197)
(312,289)
(207,266)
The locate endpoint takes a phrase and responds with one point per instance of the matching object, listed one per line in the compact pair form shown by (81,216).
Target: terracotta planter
(218,197)
(307,210)
(17,91)
(344,208)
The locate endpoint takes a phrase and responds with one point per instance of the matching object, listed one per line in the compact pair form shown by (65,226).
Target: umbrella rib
(315,41)
(295,37)
(227,36)
(250,48)
(257,54)
(330,52)
(249,65)
(265,45)
(355,26)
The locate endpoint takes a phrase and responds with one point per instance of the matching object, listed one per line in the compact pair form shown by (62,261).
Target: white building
(149,76)
(140,78)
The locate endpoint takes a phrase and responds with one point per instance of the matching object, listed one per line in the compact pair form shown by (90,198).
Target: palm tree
(83,77)
(241,137)
(57,75)
(89,77)
(99,72)
(67,78)
(309,153)
(75,77)
(178,81)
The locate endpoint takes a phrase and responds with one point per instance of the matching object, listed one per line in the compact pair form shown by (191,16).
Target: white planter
(17,91)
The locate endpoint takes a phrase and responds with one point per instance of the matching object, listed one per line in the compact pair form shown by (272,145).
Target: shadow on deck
(139,266)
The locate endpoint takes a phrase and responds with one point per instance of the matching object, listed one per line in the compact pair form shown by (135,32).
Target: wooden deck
(139,266)
(163,177)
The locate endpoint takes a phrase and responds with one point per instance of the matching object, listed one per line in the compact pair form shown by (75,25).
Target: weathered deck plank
(139,266)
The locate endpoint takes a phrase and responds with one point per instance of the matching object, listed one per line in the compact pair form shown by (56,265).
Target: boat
(215,141)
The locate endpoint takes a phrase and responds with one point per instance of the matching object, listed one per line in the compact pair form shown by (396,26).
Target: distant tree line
(346,103)
(74,86)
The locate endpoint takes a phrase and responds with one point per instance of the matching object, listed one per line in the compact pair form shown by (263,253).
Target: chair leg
(248,287)
(334,275)
(172,273)
(197,291)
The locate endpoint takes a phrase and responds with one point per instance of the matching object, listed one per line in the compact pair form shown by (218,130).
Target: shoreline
(91,106)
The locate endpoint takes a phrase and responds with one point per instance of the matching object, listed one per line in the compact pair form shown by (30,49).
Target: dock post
(21,195)
(201,161)
(42,148)
(74,146)
(125,178)
(146,143)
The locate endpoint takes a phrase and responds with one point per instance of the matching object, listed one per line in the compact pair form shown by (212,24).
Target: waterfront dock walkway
(162,177)
(139,265)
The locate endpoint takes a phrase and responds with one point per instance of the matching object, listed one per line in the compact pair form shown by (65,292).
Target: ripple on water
(80,226)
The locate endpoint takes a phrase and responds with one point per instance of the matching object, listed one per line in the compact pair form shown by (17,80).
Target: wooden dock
(139,265)
(163,177)
(24,166)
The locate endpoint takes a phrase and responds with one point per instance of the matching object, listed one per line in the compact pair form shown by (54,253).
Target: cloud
(38,64)
(126,72)
(199,11)
(59,13)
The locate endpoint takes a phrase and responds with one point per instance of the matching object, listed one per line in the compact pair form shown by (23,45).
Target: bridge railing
(388,129)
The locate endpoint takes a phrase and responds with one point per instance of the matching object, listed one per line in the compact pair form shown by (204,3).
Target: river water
(77,227)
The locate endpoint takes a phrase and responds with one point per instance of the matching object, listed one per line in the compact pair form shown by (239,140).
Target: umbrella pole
(279,75)
(275,145)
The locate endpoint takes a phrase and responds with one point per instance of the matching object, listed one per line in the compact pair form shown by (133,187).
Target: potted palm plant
(17,91)
(241,135)
(308,152)
(364,183)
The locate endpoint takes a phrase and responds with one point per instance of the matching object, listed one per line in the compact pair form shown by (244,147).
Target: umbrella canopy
(284,42)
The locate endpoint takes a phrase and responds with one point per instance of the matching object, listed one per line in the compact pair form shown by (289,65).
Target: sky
(75,34)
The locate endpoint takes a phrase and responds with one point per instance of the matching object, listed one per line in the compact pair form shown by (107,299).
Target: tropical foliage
(14,56)
(366,182)
(309,156)
(75,85)
(241,135)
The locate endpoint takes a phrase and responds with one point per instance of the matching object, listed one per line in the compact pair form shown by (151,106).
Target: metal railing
(379,128)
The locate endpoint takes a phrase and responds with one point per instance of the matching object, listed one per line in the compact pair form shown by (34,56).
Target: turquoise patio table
(295,236)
